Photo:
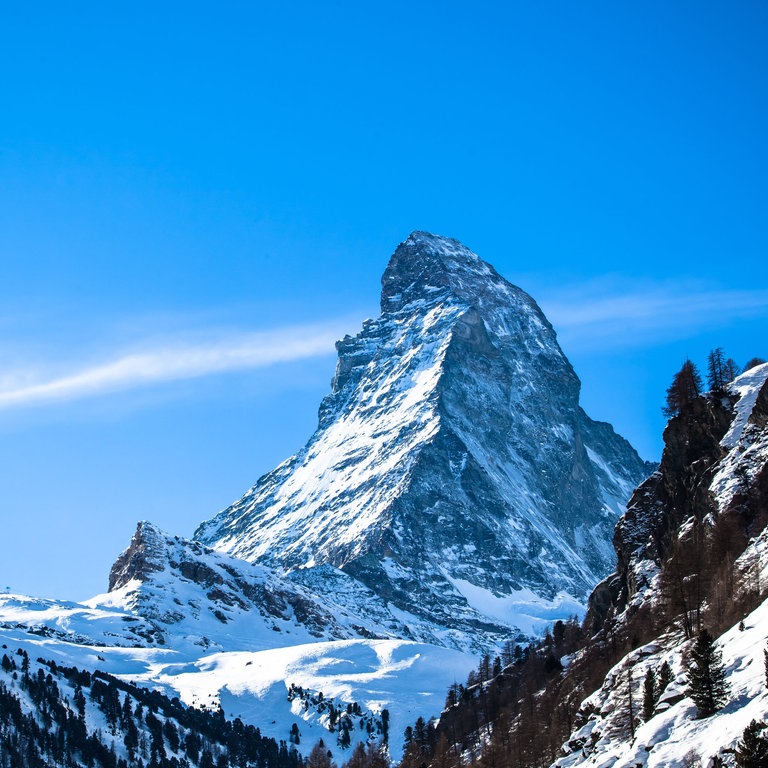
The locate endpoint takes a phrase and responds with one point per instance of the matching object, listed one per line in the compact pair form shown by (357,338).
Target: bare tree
(716,373)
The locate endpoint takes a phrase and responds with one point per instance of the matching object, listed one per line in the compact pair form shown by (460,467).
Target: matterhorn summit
(453,472)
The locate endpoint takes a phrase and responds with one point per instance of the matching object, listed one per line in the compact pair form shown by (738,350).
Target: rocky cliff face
(692,552)
(453,472)
(713,469)
(189,594)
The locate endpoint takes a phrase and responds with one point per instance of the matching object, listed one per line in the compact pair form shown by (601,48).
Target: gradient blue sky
(197,198)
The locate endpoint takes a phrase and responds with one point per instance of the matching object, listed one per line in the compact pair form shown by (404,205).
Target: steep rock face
(452,472)
(712,480)
(714,466)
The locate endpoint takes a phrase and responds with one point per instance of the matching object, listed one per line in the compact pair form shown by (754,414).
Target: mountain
(207,630)
(692,547)
(692,555)
(453,472)
(454,496)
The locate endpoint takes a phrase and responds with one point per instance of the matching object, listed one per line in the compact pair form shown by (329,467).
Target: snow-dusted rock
(453,472)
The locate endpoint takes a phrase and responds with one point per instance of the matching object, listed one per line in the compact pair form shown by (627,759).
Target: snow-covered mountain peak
(425,265)
(452,470)
(145,555)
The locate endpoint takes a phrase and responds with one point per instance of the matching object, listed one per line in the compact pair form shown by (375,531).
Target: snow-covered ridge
(216,631)
(747,388)
(746,441)
(363,456)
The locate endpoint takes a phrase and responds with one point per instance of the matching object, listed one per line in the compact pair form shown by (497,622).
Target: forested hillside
(676,637)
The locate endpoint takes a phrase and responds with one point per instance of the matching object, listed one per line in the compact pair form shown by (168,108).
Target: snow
(747,445)
(675,732)
(365,454)
(165,631)
(747,387)
(524,609)
(407,678)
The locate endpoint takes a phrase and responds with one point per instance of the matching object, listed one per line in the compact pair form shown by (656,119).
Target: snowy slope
(408,679)
(714,468)
(193,596)
(213,630)
(675,735)
(451,462)
(746,441)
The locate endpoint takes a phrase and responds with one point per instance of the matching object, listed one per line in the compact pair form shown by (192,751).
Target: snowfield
(408,679)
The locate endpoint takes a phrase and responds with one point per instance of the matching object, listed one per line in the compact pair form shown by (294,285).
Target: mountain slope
(692,555)
(693,549)
(453,472)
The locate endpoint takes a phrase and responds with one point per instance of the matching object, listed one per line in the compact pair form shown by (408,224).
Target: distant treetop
(685,387)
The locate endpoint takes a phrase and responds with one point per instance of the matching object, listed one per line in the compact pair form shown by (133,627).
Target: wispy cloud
(169,361)
(598,314)
(601,314)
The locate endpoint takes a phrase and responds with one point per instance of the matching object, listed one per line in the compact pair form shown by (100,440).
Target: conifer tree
(707,684)
(630,705)
(665,678)
(716,373)
(752,750)
(731,370)
(685,387)
(319,757)
(649,695)
(765,665)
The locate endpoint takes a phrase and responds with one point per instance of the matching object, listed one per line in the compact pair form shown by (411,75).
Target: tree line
(686,384)
(144,728)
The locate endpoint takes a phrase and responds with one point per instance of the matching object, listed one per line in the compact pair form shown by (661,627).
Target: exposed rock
(143,557)
(453,472)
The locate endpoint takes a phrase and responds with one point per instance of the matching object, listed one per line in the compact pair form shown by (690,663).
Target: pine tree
(684,389)
(716,373)
(649,695)
(752,750)
(765,665)
(665,678)
(731,370)
(707,684)
(630,705)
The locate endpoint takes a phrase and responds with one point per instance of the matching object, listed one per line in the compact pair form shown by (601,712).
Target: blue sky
(197,198)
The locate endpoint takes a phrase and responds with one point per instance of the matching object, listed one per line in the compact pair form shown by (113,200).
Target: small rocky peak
(146,554)
(426,265)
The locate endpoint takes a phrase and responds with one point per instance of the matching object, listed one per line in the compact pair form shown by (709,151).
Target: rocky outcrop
(714,468)
(143,557)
